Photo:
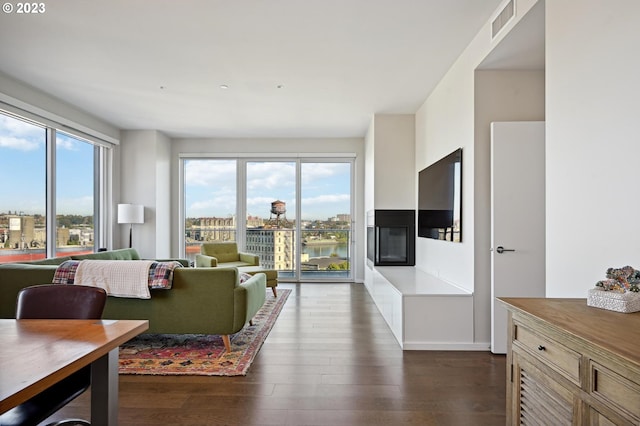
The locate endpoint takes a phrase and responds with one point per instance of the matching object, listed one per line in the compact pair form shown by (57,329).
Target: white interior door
(517,218)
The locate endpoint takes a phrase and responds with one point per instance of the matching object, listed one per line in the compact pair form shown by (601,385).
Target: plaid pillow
(161,274)
(66,272)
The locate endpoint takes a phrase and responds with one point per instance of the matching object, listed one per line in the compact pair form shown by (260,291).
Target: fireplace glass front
(393,238)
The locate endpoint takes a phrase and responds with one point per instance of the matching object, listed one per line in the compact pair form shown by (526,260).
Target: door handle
(501,249)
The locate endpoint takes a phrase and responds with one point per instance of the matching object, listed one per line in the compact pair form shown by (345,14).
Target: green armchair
(224,254)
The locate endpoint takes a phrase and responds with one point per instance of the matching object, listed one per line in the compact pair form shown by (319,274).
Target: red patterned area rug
(201,354)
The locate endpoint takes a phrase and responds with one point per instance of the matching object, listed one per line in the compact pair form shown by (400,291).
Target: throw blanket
(122,278)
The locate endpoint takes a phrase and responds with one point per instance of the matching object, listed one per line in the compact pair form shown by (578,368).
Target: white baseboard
(446,346)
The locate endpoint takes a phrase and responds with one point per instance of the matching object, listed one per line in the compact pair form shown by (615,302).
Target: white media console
(423,311)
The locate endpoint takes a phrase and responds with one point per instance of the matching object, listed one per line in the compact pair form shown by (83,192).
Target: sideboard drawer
(614,389)
(596,418)
(554,354)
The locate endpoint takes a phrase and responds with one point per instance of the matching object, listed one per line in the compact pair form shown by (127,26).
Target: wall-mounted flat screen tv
(440,199)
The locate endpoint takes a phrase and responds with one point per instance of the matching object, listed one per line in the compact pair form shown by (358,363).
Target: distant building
(40,236)
(213,229)
(62,237)
(276,247)
(254,222)
(21,231)
(344,217)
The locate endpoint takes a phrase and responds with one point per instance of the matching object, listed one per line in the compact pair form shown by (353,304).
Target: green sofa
(226,254)
(204,301)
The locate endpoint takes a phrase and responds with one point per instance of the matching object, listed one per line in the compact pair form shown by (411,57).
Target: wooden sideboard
(570,364)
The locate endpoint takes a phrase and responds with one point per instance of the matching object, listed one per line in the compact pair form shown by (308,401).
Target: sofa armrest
(202,260)
(255,287)
(251,259)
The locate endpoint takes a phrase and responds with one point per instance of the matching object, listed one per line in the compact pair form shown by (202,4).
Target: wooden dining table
(37,353)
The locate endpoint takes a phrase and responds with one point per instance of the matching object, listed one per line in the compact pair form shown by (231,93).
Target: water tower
(279,209)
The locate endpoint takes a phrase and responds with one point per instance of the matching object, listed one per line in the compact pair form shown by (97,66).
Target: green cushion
(236,264)
(122,254)
(48,261)
(224,252)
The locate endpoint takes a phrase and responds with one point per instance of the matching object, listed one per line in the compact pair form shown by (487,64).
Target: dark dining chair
(56,301)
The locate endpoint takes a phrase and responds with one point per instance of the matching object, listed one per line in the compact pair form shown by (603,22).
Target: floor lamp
(130,213)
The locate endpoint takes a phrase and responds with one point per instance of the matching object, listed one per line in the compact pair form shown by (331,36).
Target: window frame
(102,177)
(241,183)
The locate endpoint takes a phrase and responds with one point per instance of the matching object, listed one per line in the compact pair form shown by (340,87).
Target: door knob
(501,249)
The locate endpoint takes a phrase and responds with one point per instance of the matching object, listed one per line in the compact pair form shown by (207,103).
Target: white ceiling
(143,64)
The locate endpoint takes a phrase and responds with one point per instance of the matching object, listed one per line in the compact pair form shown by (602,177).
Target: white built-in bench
(423,311)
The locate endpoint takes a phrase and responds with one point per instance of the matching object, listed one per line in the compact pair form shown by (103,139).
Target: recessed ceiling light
(224,86)
(280,86)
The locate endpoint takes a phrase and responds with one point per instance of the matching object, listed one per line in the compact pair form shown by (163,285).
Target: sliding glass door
(271,214)
(297,212)
(325,210)
(209,202)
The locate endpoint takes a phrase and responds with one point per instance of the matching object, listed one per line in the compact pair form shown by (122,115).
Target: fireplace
(391,237)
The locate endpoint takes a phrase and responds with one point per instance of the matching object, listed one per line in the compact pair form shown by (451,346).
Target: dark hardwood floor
(329,360)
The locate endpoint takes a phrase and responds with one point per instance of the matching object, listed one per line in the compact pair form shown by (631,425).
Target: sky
(23,164)
(210,188)
(210,185)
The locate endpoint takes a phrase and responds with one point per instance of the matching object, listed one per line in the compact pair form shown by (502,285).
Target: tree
(343,266)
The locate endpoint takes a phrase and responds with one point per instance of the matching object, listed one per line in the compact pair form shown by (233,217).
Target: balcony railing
(325,253)
(32,254)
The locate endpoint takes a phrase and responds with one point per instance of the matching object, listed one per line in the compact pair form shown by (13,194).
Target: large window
(209,203)
(296,213)
(75,189)
(22,190)
(48,192)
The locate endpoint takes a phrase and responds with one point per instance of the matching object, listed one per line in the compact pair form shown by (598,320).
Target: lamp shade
(130,213)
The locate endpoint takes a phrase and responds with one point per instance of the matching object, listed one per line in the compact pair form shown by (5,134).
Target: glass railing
(31,254)
(325,253)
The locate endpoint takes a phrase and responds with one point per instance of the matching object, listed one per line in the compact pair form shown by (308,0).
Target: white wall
(163,217)
(591,92)
(592,141)
(145,179)
(369,169)
(272,148)
(394,179)
(447,121)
